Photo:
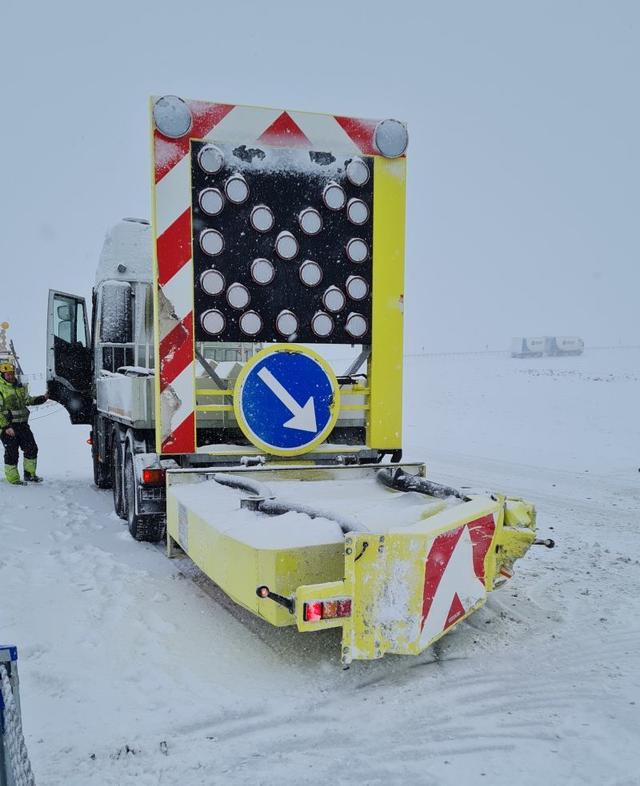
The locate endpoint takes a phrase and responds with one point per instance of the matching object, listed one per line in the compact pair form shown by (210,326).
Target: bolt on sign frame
(226,272)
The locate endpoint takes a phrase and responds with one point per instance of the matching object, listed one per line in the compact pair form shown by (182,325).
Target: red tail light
(329,609)
(344,607)
(326,610)
(312,612)
(153,477)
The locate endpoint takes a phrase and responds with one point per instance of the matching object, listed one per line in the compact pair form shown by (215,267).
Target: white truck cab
(102,370)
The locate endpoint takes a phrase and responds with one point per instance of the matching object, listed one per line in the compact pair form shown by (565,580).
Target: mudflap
(409,587)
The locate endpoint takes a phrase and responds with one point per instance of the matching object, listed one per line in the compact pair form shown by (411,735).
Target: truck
(547,346)
(560,346)
(528,347)
(241,373)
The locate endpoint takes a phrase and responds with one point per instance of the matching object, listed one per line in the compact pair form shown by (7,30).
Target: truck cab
(101,368)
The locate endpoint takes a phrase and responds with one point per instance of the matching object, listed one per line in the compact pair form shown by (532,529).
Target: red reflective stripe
(344,608)
(481,535)
(183,438)
(176,351)
(361,133)
(173,247)
(436,563)
(168,152)
(284,132)
(481,531)
(456,610)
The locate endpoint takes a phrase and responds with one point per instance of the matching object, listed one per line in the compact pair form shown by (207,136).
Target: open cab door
(69,357)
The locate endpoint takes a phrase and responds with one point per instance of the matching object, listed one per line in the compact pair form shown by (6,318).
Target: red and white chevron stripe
(172,230)
(454,576)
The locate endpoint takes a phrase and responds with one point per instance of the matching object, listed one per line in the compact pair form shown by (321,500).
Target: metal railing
(15,767)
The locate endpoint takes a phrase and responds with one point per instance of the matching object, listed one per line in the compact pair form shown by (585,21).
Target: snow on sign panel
(286,400)
(281,205)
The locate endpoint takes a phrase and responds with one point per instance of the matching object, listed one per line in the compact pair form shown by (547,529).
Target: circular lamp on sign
(322,324)
(356,325)
(211,242)
(172,116)
(334,299)
(210,159)
(212,282)
(262,271)
(211,201)
(251,323)
(357,288)
(310,221)
(357,211)
(236,189)
(391,138)
(212,322)
(357,250)
(334,196)
(310,273)
(286,245)
(238,296)
(287,323)
(261,218)
(357,172)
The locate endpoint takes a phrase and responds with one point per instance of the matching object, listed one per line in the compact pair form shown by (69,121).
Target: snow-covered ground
(136,669)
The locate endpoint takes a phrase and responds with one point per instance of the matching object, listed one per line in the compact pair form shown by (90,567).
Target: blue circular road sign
(286,399)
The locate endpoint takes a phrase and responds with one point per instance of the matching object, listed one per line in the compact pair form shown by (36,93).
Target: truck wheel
(116,478)
(101,469)
(144,528)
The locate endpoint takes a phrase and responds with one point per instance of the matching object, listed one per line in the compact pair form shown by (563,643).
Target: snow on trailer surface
(364,500)
(135,669)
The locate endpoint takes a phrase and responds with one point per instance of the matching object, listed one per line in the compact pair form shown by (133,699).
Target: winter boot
(30,471)
(12,475)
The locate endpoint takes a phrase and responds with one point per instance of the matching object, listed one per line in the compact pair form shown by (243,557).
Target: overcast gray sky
(524,122)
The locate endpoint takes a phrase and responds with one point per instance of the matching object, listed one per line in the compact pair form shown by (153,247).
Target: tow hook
(264,592)
(547,543)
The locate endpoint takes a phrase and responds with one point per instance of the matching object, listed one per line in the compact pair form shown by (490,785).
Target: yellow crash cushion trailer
(426,564)
(285,229)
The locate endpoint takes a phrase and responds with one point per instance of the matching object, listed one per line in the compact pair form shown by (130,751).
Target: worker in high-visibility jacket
(15,431)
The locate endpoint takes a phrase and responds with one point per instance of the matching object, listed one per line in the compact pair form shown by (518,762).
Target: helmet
(6,367)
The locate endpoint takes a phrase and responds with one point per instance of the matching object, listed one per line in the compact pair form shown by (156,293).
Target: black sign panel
(288,182)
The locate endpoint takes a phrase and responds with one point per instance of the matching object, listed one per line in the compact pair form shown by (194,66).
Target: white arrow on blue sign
(287,401)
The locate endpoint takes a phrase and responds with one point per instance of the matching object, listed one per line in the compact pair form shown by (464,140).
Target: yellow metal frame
(384,424)
(384,405)
(156,305)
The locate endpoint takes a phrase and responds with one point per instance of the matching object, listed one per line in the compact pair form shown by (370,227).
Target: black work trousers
(23,439)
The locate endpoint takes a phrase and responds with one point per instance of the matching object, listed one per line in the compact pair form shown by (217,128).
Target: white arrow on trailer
(304,418)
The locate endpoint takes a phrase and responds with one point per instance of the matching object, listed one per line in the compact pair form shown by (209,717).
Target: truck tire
(143,528)
(116,478)
(101,469)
